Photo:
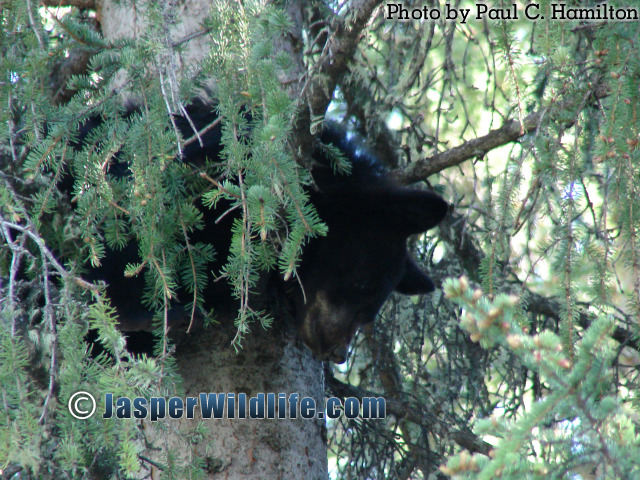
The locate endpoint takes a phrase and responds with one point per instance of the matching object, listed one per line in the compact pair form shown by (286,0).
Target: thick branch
(338,51)
(477,147)
(510,132)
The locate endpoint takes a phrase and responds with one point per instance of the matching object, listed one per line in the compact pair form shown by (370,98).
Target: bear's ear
(414,211)
(414,281)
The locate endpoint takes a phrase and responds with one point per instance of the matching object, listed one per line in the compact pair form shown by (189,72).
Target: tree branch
(412,412)
(509,132)
(477,147)
(549,308)
(338,51)
(471,255)
(75,64)
(47,255)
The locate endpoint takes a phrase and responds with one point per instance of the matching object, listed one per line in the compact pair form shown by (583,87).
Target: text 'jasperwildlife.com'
(216,406)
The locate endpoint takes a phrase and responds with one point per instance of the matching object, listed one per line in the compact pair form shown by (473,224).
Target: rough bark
(271,361)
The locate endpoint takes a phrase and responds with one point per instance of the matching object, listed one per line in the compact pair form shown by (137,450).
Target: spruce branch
(17,246)
(47,255)
(470,252)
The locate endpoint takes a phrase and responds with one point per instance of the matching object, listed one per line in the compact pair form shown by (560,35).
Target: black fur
(349,274)
(343,278)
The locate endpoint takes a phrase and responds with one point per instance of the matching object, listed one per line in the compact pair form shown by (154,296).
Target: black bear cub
(344,277)
(349,274)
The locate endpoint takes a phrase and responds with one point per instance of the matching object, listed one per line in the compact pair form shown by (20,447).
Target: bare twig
(46,253)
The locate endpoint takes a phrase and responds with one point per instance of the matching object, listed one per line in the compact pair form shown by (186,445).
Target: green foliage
(534,376)
(49,239)
(255,150)
(579,422)
(546,383)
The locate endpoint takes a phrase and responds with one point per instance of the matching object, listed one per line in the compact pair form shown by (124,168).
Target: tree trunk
(270,361)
